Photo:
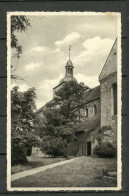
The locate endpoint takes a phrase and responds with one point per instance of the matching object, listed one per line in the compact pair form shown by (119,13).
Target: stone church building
(97,117)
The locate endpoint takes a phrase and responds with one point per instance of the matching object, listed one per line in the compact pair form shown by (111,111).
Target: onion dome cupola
(69,65)
(69,70)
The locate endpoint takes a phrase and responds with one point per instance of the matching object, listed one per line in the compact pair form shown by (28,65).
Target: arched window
(86,112)
(71,71)
(94,110)
(114,99)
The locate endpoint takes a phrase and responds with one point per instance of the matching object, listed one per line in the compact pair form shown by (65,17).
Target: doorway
(88,148)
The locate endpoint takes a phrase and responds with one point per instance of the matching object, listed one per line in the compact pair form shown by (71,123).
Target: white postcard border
(119,121)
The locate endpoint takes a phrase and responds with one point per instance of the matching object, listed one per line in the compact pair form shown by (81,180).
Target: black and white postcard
(64,101)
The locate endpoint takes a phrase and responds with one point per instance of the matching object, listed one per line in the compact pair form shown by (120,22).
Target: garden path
(38,169)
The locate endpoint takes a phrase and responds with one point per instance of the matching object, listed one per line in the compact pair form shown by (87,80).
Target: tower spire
(69,51)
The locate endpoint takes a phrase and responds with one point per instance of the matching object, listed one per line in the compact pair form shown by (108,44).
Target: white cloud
(96,43)
(69,39)
(38,49)
(45,90)
(32,66)
(56,50)
(92,59)
(22,87)
(90,81)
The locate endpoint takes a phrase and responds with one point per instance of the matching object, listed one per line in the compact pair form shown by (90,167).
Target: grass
(83,172)
(33,162)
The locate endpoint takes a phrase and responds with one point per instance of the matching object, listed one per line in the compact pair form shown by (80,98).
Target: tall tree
(70,97)
(18,24)
(24,124)
(57,135)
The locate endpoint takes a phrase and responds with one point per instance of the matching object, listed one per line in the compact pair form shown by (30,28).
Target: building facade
(90,114)
(108,92)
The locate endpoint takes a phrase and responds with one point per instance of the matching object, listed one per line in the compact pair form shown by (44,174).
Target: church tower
(68,75)
(69,66)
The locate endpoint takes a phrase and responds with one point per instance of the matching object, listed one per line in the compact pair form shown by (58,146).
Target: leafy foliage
(57,135)
(69,97)
(24,124)
(105,150)
(18,24)
(60,129)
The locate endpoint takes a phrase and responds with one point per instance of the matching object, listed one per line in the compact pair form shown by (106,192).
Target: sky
(45,51)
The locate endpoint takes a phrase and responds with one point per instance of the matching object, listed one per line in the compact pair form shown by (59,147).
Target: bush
(18,155)
(105,150)
(54,146)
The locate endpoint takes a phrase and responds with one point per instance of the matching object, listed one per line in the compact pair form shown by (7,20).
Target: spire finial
(69,51)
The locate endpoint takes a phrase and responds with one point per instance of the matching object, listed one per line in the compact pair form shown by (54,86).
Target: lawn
(33,162)
(83,172)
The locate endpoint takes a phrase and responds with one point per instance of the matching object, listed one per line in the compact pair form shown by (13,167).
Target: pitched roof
(59,84)
(88,96)
(110,65)
(89,124)
(44,107)
(91,94)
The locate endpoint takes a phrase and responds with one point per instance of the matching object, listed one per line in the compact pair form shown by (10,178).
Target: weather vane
(69,51)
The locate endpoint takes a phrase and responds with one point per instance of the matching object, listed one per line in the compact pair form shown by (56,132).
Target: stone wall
(107,118)
(83,138)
